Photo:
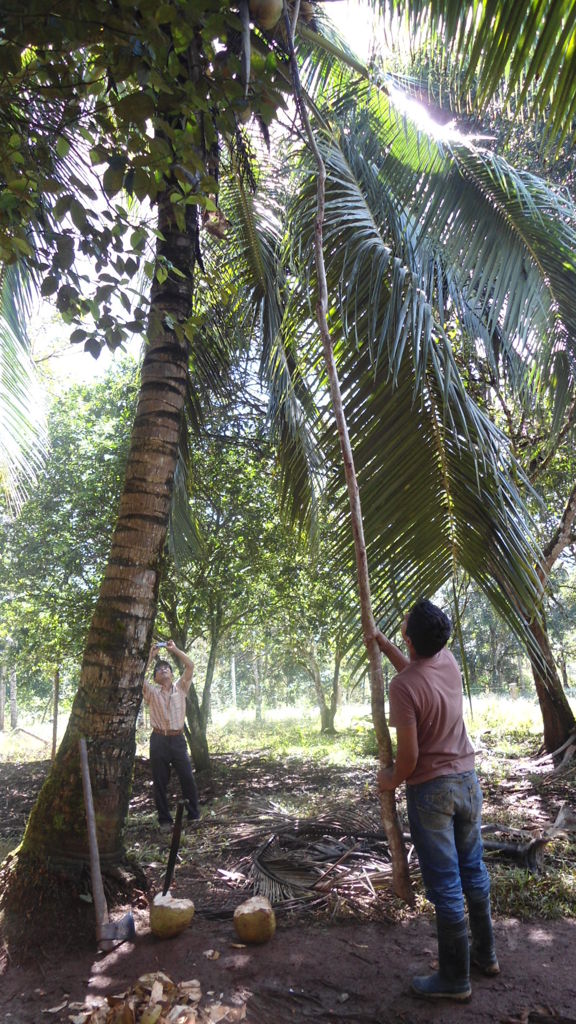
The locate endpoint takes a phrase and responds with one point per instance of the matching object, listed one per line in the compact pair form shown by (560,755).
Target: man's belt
(168,732)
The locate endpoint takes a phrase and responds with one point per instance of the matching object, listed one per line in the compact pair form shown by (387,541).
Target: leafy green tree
(53,551)
(230,578)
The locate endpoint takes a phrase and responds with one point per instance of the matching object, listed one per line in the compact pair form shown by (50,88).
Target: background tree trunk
(13,700)
(557,716)
(2,699)
(314,670)
(233,696)
(55,707)
(336,695)
(196,732)
(257,688)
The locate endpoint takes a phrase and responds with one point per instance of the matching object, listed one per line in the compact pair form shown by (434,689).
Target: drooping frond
(438,487)
(439,491)
(251,274)
(22,428)
(452,229)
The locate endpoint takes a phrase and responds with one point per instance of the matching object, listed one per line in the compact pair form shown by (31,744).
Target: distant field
(288,731)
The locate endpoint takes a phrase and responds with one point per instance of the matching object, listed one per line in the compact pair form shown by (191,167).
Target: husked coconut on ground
(254,920)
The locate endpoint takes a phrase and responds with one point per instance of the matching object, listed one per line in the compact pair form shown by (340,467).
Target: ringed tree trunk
(557,716)
(110,690)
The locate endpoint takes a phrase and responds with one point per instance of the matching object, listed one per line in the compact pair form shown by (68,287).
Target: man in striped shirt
(166,700)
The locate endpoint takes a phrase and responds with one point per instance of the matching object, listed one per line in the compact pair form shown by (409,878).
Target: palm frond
(22,427)
(448,228)
(527,44)
(439,489)
(251,273)
(431,503)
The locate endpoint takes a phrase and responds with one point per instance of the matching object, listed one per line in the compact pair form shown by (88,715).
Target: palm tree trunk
(401,876)
(198,712)
(557,716)
(110,689)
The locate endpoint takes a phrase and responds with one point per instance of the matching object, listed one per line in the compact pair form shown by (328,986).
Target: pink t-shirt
(429,692)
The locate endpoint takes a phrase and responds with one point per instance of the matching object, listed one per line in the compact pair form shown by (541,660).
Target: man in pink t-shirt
(435,758)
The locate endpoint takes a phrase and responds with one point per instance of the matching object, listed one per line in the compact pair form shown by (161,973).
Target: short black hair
(428,627)
(161,664)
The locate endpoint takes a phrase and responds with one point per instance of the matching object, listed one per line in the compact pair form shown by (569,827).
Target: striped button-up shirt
(167,706)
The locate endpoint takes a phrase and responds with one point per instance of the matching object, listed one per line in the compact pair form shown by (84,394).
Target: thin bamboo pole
(400,874)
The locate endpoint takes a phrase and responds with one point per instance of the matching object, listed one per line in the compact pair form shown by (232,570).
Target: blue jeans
(444,815)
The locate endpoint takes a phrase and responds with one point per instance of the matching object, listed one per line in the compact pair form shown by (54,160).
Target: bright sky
(355,21)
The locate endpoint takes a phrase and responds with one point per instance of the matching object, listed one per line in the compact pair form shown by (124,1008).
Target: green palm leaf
(22,428)
(528,44)
(438,486)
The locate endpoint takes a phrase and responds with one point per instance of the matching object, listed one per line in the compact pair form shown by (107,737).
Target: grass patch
(294,733)
(517,893)
(512,727)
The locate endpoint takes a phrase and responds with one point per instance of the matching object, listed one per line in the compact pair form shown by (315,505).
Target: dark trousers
(167,752)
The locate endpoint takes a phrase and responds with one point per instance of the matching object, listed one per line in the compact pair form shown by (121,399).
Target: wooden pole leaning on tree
(400,873)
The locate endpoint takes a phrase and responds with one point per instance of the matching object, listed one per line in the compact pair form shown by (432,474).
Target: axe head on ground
(112,932)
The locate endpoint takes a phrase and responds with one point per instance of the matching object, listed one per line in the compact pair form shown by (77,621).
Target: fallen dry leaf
(157,991)
(56,1009)
(182,1015)
(147,980)
(211,954)
(217,1012)
(151,1014)
(192,989)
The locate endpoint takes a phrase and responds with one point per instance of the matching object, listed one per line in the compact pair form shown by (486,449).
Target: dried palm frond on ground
(336,862)
(309,863)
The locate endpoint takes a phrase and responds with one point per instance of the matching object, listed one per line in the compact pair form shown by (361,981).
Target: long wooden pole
(98,895)
(400,873)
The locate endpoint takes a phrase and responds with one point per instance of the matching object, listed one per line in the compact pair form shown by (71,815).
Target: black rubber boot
(482,949)
(452,979)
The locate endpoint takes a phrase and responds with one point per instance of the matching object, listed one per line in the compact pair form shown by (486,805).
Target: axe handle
(98,896)
(174,846)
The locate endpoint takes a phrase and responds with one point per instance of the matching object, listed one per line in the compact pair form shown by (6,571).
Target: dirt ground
(347,958)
